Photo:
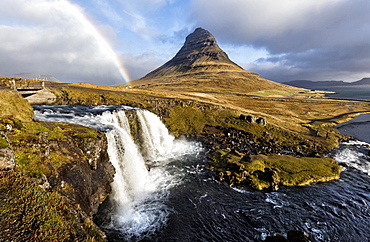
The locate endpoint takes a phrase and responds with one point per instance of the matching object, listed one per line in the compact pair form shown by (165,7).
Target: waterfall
(131,172)
(143,175)
(157,141)
(133,183)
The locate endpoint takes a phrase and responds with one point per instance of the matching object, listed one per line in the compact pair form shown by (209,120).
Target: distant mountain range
(364,82)
(35,76)
(201,65)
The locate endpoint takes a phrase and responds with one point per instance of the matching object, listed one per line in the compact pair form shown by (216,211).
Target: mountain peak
(200,52)
(202,64)
(199,40)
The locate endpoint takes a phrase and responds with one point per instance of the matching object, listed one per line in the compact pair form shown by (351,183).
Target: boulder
(261,121)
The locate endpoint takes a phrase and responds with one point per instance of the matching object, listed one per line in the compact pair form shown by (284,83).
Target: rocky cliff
(53,177)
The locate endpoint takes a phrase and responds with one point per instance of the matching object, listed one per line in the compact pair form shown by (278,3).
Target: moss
(268,171)
(33,146)
(3,143)
(192,119)
(88,134)
(295,171)
(29,213)
(30,163)
(186,120)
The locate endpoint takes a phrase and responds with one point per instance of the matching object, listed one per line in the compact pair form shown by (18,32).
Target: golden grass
(12,105)
(292,113)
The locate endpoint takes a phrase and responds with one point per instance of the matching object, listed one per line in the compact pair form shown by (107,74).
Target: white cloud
(53,37)
(142,64)
(306,37)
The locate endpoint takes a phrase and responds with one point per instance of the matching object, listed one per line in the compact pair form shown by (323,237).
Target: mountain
(364,82)
(202,65)
(36,76)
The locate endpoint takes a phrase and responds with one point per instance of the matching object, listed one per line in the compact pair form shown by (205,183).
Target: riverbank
(359,128)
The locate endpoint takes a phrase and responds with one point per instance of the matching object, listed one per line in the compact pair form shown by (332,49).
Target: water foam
(143,179)
(354,154)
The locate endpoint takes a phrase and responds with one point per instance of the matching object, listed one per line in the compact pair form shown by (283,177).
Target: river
(179,199)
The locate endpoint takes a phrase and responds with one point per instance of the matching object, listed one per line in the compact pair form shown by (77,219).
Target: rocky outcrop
(271,171)
(82,172)
(69,160)
(7,157)
(229,138)
(253,119)
(86,180)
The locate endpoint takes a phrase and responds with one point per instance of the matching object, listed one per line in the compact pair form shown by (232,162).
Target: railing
(22,84)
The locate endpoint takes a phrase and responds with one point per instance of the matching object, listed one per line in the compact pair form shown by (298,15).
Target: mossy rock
(272,171)
(3,143)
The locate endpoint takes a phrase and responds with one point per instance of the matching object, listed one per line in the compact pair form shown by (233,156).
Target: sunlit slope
(201,65)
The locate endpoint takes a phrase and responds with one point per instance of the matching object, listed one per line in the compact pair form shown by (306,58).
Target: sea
(358,93)
(178,199)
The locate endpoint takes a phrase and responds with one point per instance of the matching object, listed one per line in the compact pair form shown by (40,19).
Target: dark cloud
(318,39)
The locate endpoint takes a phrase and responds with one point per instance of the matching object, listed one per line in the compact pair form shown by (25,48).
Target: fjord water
(359,93)
(163,192)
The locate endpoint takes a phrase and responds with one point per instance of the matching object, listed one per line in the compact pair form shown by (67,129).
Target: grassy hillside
(29,212)
(303,115)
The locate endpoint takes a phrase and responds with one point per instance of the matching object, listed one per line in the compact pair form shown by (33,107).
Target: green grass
(263,171)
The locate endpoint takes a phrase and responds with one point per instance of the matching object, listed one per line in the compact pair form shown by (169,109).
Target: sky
(109,42)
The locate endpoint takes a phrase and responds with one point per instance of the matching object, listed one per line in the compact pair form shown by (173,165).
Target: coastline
(359,128)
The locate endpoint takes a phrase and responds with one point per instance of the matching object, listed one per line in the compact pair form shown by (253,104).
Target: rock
(293,236)
(42,96)
(261,121)
(88,182)
(276,238)
(253,119)
(298,236)
(7,159)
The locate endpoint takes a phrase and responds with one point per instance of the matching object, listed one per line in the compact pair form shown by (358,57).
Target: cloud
(142,64)
(51,37)
(304,37)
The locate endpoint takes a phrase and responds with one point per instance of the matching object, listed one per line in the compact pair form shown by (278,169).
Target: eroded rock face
(67,158)
(87,180)
(7,159)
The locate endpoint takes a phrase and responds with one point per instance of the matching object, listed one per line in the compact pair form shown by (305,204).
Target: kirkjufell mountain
(201,65)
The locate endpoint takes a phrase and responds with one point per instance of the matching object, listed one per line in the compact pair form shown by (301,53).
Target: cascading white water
(354,154)
(131,172)
(142,180)
(158,142)
(134,185)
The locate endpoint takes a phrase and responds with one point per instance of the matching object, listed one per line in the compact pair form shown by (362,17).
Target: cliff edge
(53,177)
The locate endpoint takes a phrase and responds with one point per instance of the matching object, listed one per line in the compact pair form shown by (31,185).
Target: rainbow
(78,13)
